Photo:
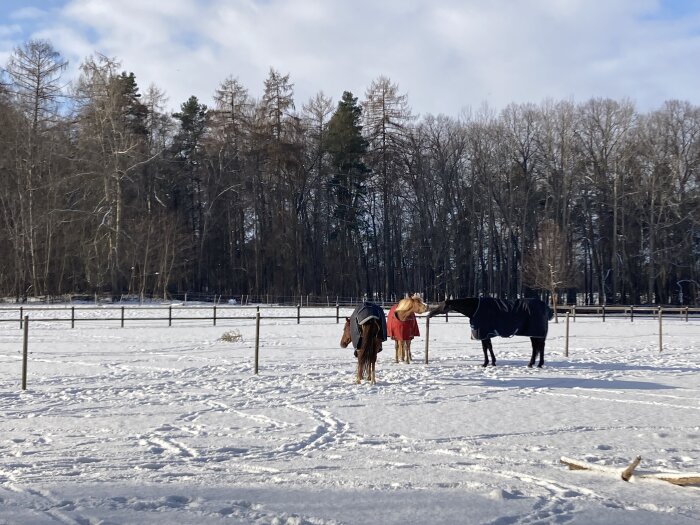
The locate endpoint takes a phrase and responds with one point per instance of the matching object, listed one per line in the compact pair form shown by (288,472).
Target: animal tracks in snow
(123,425)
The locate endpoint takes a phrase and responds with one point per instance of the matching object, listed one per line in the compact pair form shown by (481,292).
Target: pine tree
(347,148)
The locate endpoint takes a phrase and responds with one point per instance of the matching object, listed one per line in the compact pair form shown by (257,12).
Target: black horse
(490,317)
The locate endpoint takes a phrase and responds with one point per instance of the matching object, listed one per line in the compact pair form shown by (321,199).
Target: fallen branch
(626,473)
(676,479)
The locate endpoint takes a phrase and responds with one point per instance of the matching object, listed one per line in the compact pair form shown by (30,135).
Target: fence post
(170,315)
(25,352)
(337,313)
(574,313)
(215,314)
(257,341)
(566,342)
(632,314)
(661,342)
(122,317)
(298,314)
(686,313)
(21,316)
(447,317)
(72,316)
(603,313)
(427,337)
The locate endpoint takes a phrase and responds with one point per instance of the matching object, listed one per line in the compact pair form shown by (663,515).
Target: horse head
(345,339)
(419,307)
(413,304)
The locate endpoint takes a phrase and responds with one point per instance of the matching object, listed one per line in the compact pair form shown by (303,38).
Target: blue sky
(447,55)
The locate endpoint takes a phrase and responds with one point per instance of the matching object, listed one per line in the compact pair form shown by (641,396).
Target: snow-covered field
(168,425)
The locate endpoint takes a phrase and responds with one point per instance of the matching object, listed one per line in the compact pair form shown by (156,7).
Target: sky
(445,55)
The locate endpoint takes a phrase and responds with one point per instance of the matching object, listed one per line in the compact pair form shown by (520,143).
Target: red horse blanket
(401,330)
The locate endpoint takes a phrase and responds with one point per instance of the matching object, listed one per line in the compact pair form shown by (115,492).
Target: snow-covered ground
(158,424)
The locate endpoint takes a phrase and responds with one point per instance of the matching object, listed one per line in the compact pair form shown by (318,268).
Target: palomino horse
(495,317)
(402,326)
(366,329)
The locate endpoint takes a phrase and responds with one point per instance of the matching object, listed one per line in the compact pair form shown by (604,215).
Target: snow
(157,424)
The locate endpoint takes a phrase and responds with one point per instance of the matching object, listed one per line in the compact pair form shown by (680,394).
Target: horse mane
(407,304)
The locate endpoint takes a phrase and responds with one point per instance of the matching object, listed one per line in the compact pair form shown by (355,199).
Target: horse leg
(373,361)
(537,349)
(488,348)
(358,375)
(397,349)
(407,350)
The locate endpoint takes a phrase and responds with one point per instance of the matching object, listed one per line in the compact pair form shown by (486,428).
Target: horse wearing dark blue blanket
(490,317)
(366,329)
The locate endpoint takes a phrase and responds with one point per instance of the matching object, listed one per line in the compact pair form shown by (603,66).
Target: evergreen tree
(347,148)
(191,189)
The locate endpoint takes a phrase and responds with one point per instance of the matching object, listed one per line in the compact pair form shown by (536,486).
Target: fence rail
(216,313)
(629,311)
(213,314)
(646,311)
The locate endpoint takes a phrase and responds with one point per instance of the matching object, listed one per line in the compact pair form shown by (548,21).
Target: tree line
(102,189)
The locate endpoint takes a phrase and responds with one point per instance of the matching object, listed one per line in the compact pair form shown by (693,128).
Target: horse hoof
(540,365)
(529,365)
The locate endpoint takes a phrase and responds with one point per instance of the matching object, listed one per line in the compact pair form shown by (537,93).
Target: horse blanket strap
(363,314)
(497,317)
(401,330)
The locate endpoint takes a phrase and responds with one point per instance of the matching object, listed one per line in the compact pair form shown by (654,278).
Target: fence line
(24,324)
(219,313)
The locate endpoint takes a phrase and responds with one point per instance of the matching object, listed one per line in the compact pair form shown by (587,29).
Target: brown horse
(402,326)
(370,345)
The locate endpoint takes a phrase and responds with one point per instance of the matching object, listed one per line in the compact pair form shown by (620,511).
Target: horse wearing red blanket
(402,326)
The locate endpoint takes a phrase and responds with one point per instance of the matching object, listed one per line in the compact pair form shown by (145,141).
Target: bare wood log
(575,464)
(627,473)
(682,480)
(676,479)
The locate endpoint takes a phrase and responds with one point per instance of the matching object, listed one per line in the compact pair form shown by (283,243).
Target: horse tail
(368,355)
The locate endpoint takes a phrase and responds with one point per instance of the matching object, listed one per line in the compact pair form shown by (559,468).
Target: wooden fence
(218,313)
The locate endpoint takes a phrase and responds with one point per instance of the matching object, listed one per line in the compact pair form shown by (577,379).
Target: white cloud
(446,54)
(28,13)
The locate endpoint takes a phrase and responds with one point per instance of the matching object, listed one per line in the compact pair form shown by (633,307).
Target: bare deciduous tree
(547,263)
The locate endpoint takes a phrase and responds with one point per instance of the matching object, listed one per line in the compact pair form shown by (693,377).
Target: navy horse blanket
(498,317)
(362,314)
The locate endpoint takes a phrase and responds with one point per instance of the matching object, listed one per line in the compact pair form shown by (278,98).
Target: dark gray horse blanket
(360,316)
(497,317)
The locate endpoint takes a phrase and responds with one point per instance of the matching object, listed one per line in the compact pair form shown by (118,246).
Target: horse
(366,329)
(490,317)
(402,326)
